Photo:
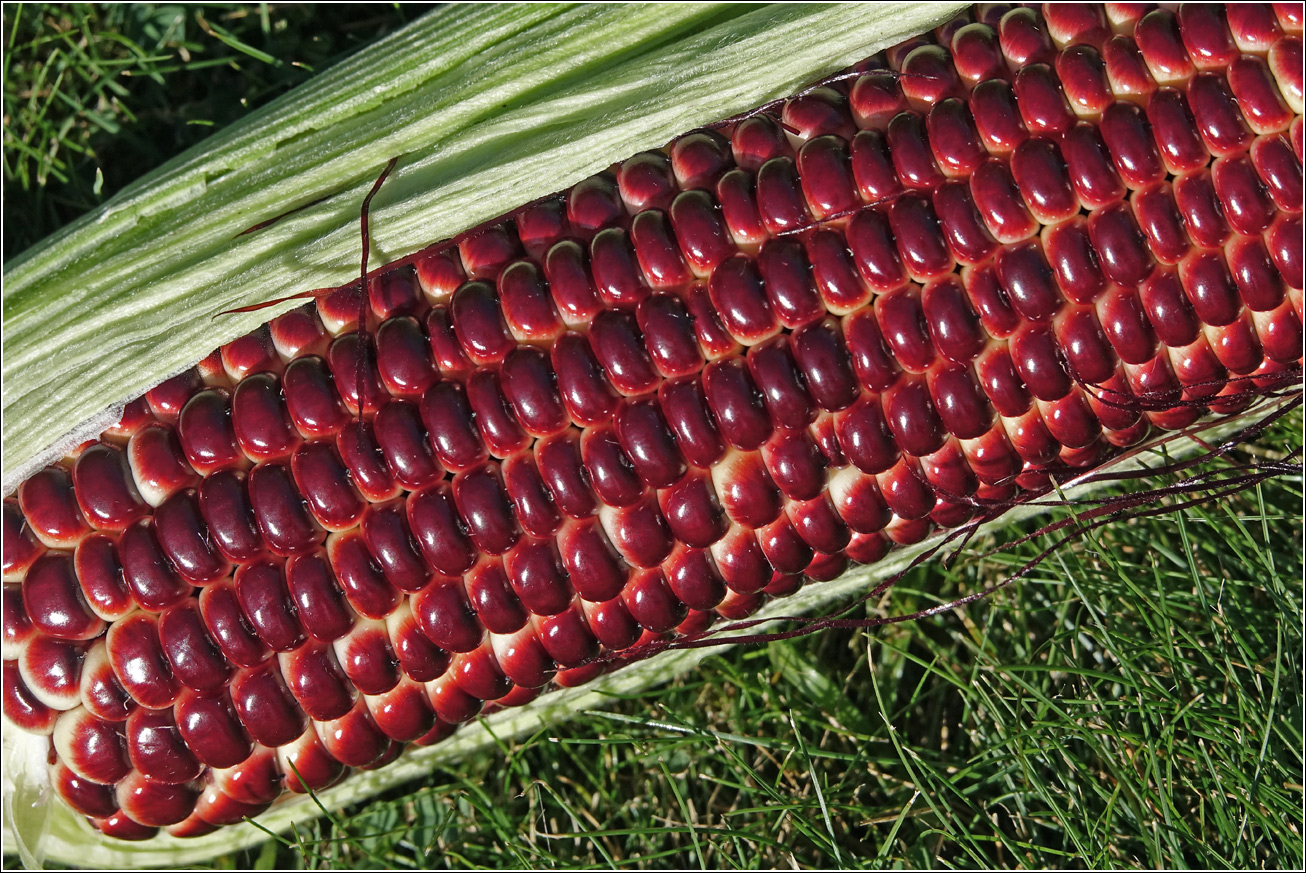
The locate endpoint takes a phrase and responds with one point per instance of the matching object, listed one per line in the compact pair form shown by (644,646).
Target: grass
(1134,702)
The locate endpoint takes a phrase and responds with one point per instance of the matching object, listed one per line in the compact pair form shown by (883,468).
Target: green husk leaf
(489,106)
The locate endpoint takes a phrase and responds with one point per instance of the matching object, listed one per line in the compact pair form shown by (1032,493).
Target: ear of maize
(1006,249)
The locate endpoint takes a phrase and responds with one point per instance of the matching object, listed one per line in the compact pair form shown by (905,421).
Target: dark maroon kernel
(1216,112)
(1201,210)
(485,253)
(738,295)
(909,148)
(646,182)
(1246,201)
(195,659)
(150,577)
(157,749)
(1034,354)
(168,397)
(715,341)
(229,517)
(528,385)
(403,357)
(261,591)
(1025,276)
(795,463)
(532,503)
(928,77)
(785,550)
(319,602)
(1210,288)
(953,138)
(1126,326)
(864,436)
(91,747)
(1120,245)
(1069,250)
(648,443)
(227,626)
(363,457)
(873,171)
(101,692)
(1002,384)
(52,597)
(493,598)
(745,489)
(154,804)
(826,177)
(185,541)
(49,503)
(1280,170)
(780,200)
(825,363)
(499,428)
(84,795)
(902,323)
(961,404)
(997,117)
(963,228)
(738,200)
(1258,96)
(538,577)
(595,569)
(1090,165)
(652,603)
(585,392)
(658,252)
(638,531)
(323,480)
(835,273)
(912,418)
(875,367)
(558,459)
(1161,223)
(818,112)
(18,628)
(736,404)
(920,244)
(778,378)
(616,271)
(445,349)
(365,656)
(527,307)
(1083,75)
(105,490)
(613,476)
(402,440)
(669,335)
(1283,240)
(420,659)
(952,323)
(311,399)
(1259,284)
(265,706)
(448,418)
(445,616)
(316,681)
(1042,104)
(692,511)
(693,578)
(819,525)
(567,637)
(283,519)
(787,279)
(23,708)
(478,324)
(699,158)
(1175,132)
(52,670)
(741,562)
(611,624)
(686,412)
(207,435)
(758,139)
(20,545)
(138,662)
(1000,202)
(364,584)
(1088,354)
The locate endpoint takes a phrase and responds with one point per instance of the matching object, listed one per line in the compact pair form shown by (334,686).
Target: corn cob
(686,385)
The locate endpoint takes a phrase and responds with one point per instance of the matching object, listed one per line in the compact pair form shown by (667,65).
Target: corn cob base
(777,346)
